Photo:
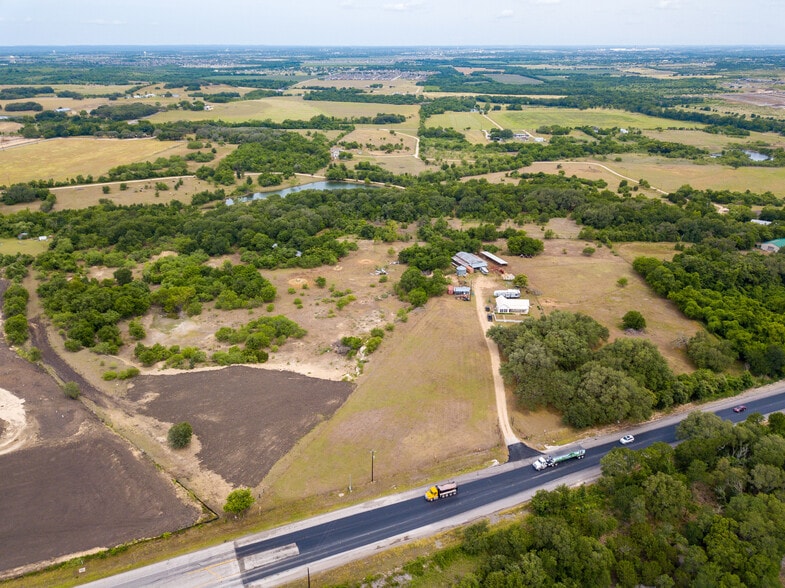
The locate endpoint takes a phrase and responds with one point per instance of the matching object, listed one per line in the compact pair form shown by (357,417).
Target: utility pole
(373,458)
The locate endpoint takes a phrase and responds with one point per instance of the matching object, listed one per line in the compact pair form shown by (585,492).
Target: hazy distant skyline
(392,22)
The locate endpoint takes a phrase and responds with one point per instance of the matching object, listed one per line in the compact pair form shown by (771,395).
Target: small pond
(323,185)
(755,156)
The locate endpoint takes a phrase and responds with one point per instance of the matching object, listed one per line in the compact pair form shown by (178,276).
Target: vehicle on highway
(740,408)
(547,461)
(626,439)
(441,491)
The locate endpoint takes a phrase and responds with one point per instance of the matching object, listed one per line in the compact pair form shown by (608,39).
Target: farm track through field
(58,366)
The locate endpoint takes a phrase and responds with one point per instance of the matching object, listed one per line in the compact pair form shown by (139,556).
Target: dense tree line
(119,112)
(606,217)
(15,326)
(49,124)
(23,92)
(23,106)
(739,296)
(24,192)
(357,95)
(709,513)
(562,361)
(160,168)
(278,151)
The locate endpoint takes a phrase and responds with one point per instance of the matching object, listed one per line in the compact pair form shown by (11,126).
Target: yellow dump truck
(441,491)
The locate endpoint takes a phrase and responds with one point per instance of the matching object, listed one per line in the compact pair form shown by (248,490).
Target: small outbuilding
(494,258)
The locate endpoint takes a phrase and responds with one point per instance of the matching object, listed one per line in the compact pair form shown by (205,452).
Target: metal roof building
(470,260)
(495,259)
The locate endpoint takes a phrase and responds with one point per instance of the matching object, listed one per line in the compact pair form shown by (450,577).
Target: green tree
(633,320)
(179,435)
(16,330)
(708,352)
(521,281)
(667,498)
(123,276)
(136,330)
(239,501)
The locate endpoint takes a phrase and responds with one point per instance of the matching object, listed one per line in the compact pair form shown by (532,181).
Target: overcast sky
(392,22)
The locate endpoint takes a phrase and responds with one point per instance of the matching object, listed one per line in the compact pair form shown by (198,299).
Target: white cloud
(505,14)
(403,6)
(103,22)
(668,3)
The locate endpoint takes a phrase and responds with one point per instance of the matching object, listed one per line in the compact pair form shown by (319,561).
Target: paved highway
(285,554)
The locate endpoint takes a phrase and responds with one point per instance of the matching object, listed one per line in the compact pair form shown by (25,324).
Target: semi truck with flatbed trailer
(441,491)
(550,461)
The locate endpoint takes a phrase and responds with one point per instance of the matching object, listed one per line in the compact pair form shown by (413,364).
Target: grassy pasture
(280,108)
(710,141)
(30,246)
(399,86)
(574,282)
(669,175)
(7,128)
(61,159)
(748,104)
(425,409)
(532,117)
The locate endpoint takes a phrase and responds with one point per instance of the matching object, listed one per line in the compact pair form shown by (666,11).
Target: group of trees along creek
(736,293)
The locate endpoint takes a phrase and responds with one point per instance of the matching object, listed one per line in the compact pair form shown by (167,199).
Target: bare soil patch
(69,484)
(245,418)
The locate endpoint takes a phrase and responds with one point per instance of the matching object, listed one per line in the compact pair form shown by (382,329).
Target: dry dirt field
(75,486)
(245,419)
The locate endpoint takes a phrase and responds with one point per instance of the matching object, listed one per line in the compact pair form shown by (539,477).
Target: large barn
(470,261)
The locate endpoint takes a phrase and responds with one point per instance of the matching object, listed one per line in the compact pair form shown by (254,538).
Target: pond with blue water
(323,185)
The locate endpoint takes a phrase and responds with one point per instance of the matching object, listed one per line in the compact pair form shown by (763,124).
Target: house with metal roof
(773,246)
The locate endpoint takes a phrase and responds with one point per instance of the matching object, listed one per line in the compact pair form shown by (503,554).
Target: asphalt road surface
(284,554)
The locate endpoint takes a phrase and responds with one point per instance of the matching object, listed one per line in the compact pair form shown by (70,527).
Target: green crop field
(532,117)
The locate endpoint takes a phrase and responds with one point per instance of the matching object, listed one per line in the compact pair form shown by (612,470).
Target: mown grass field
(460,121)
(60,159)
(425,405)
(532,117)
(31,246)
